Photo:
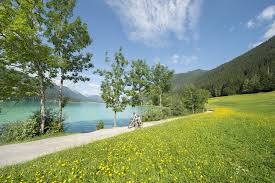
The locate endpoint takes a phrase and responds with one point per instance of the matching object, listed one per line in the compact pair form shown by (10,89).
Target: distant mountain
(254,71)
(95,98)
(53,92)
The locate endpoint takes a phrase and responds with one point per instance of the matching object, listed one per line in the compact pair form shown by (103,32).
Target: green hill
(252,72)
(182,79)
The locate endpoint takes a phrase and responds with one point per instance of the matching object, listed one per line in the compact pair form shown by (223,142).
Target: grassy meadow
(235,143)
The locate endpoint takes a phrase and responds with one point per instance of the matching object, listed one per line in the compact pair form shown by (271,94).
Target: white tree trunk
(115,120)
(42,107)
(60,100)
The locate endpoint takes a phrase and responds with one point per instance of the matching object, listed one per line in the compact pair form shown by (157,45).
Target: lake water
(79,116)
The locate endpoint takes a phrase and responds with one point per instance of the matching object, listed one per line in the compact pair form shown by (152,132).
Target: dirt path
(18,153)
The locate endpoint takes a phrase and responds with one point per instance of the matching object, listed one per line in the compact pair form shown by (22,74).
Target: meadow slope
(233,144)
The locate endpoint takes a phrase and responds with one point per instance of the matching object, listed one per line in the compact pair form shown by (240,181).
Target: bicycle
(135,123)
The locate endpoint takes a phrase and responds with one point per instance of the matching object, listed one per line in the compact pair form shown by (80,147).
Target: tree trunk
(115,120)
(42,106)
(60,99)
(42,89)
(160,100)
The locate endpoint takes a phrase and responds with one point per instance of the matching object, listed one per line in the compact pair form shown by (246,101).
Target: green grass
(233,144)
(261,103)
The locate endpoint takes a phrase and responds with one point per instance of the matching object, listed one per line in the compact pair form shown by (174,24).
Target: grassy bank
(233,144)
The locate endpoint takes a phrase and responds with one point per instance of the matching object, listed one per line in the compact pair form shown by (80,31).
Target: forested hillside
(190,77)
(251,72)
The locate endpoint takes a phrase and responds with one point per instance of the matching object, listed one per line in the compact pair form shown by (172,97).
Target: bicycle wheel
(131,124)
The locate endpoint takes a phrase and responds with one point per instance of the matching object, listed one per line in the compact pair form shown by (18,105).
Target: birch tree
(23,48)
(69,37)
(114,84)
(160,80)
(139,81)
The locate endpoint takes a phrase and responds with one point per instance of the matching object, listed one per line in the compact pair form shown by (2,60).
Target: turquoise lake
(79,116)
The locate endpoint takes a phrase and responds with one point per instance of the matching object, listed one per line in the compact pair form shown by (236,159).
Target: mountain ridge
(53,93)
(251,72)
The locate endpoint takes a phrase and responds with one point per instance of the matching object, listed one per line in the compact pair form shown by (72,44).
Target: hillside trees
(253,71)
(193,98)
(69,38)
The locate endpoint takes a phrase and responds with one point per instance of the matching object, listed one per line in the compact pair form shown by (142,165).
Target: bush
(100,125)
(156,113)
(19,130)
(52,124)
(30,128)
(178,109)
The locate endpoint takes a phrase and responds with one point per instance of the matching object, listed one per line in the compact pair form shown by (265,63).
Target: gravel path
(22,152)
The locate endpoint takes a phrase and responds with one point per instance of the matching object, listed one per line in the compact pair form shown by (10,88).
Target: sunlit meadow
(235,143)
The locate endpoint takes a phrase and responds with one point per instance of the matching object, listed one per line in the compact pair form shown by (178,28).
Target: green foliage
(69,38)
(65,101)
(182,79)
(223,146)
(19,131)
(114,84)
(139,81)
(14,84)
(177,106)
(194,99)
(160,80)
(30,128)
(52,124)
(100,125)
(21,44)
(156,113)
(23,47)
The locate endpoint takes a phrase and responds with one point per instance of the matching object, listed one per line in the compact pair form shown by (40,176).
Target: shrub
(178,109)
(30,128)
(19,130)
(52,124)
(156,113)
(100,125)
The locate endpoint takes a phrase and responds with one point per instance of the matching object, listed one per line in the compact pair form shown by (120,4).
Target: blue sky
(183,34)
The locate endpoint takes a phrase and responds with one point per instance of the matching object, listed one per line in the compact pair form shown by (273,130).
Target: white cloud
(267,14)
(250,24)
(184,60)
(270,32)
(152,21)
(175,59)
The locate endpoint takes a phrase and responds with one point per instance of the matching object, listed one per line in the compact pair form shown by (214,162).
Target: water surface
(79,116)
